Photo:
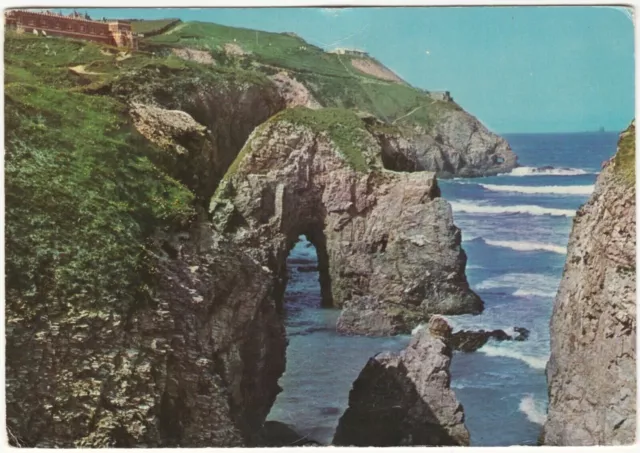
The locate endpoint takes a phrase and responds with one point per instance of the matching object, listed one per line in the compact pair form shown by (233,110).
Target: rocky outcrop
(379,234)
(404,399)
(205,123)
(456,145)
(470,341)
(199,56)
(196,367)
(592,369)
(293,92)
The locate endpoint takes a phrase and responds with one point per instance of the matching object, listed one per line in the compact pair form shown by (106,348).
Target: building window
(81,27)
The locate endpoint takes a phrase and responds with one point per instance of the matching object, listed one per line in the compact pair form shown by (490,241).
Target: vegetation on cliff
(83,190)
(625,159)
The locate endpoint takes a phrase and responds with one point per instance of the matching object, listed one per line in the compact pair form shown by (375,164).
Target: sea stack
(404,399)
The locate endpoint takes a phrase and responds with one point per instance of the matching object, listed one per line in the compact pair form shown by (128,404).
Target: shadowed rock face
(378,234)
(196,368)
(459,145)
(592,369)
(404,399)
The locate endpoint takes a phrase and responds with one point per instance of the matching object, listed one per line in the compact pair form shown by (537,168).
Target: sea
(515,229)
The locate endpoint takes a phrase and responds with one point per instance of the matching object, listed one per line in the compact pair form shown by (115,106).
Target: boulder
(405,399)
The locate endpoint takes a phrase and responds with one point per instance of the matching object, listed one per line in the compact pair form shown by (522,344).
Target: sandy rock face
(385,235)
(199,56)
(592,369)
(293,92)
(459,145)
(196,368)
(404,399)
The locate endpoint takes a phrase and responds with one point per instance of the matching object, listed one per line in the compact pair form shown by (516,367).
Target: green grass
(625,159)
(331,78)
(278,49)
(347,131)
(83,195)
(150,26)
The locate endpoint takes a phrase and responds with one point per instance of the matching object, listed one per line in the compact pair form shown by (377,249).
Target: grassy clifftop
(332,79)
(625,159)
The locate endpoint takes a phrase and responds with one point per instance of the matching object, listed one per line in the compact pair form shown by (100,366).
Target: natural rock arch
(383,237)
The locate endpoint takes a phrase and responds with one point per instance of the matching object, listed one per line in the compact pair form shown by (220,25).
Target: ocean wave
(561,190)
(538,363)
(526,246)
(533,293)
(526,284)
(470,207)
(533,409)
(537,171)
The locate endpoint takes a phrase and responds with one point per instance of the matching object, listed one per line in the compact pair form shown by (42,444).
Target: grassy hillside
(83,189)
(331,78)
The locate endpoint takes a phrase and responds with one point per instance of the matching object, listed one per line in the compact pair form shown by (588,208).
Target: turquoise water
(515,229)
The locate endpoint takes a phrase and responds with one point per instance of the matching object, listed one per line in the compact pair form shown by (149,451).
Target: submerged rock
(405,399)
(469,340)
(592,369)
(378,234)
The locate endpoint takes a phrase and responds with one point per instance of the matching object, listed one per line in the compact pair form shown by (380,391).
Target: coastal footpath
(592,369)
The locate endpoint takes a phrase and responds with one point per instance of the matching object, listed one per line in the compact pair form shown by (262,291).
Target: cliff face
(592,369)
(458,145)
(378,234)
(404,399)
(196,368)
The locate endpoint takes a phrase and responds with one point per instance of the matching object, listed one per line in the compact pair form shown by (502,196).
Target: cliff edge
(592,369)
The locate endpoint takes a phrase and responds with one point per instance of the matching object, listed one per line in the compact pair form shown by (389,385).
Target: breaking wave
(524,284)
(533,410)
(526,246)
(471,207)
(533,293)
(529,171)
(538,363)
(561,190)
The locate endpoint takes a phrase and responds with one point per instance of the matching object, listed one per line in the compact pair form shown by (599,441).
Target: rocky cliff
(384,237)
(456,145)
(404,399)
(198,367)
(592,369)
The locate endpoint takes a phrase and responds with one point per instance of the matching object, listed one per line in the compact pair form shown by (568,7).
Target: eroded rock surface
(457,145)
(404,399)
(378,234)
(196,368)
(592,368)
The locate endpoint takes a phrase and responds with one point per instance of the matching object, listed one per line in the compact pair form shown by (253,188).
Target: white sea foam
(533,409)
(526,246)
(417,329)
(527,285)
(535,171)
(561,190)
(471,207)
(533,293)
(539,363)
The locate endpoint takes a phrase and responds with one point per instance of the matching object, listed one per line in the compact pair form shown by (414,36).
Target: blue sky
(518,69)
